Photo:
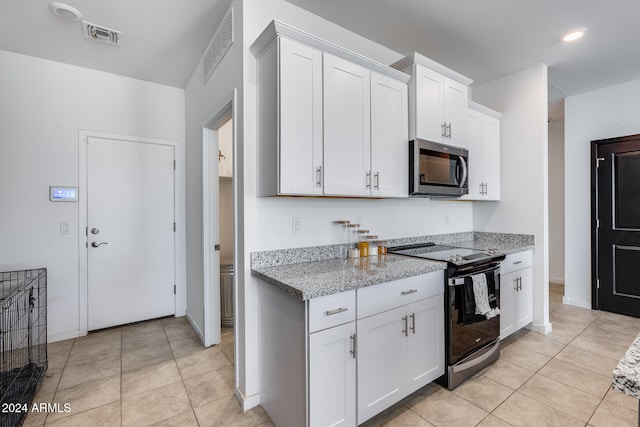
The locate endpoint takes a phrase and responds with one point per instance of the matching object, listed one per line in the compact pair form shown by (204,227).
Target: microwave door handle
(463,163)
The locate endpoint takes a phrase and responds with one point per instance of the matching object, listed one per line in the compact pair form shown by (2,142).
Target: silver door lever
(96,244)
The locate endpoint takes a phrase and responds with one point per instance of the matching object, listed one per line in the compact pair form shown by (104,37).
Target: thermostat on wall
(63,194)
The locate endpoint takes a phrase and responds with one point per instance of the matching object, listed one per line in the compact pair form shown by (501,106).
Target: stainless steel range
(472,306)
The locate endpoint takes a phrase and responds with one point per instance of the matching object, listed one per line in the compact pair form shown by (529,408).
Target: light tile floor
(157,373)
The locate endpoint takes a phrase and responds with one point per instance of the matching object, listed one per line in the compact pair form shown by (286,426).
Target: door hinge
(598,283)
(174,165)
(174,289)
(598,160)
(174,227)
(597,222)
(86,231)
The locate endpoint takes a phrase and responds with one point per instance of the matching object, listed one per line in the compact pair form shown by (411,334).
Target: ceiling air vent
(101,34)
(219,45)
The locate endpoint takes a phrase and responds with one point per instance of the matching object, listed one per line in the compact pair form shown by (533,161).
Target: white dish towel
(481,296)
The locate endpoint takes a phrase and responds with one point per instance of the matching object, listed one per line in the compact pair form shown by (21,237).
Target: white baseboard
(63,336)
(576,303)
(247,402)
(195,328)
(541,328)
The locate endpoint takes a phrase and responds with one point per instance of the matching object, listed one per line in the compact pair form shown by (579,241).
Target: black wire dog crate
(23,341)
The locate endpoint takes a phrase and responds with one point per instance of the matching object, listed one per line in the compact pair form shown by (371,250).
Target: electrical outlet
(296,225)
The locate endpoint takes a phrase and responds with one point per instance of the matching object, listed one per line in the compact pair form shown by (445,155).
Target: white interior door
(130,218)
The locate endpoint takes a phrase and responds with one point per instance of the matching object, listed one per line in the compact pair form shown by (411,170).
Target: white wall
(556,201)
(267,221)
(43,105)
(604,113)
(522,98)
(202,103)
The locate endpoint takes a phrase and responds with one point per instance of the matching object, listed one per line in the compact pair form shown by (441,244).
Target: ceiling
(163,40)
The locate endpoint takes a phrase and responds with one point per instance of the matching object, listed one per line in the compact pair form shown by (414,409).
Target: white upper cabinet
(438,100)
(483,143)
(389,137)
(347,127)
(300,124)
(329,121)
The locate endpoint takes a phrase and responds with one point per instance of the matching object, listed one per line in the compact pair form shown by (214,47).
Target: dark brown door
(616,217)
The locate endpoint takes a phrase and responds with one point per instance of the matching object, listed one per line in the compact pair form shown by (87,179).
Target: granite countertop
(319,278)
(626,376)
(313,272)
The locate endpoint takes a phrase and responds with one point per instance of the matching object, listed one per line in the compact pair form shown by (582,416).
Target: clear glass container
(373,245)
(363,243)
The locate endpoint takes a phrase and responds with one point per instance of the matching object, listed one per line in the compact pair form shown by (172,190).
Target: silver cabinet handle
(405,331)
(410,291)
(376,180)
(515,288)
(517,262)
(319,176)
(449,131)
(413,322)
(96,244)
(444,130)
(369,179)
(336,311)
(353,345)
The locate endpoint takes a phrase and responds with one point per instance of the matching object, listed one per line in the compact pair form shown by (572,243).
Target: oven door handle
(459,279)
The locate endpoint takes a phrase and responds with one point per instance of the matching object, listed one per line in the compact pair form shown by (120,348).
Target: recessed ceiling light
(573,35)
(65,11)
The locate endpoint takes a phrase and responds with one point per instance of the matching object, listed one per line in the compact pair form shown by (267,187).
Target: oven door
(469,331)
(437,169)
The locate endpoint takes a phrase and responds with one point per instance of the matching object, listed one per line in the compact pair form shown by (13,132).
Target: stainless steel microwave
(437,170)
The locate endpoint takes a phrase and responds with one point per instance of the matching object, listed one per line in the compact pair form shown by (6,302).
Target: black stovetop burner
(459,258)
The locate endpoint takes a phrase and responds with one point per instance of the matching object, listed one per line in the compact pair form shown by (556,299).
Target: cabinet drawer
(378,298)
(332,310)
(514,262)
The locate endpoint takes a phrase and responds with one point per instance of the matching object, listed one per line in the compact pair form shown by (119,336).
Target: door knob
(96,244)
(95,230)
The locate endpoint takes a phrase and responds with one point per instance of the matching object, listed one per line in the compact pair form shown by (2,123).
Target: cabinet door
(381,354)
(491,157)
(456,99)
(508,289)
(347,128)
(389,137)
(332,377)
(474,145)
(524,298)
(300,148)
(425,343)
(429,100)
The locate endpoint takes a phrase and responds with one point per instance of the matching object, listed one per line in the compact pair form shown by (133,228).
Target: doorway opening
(220,229)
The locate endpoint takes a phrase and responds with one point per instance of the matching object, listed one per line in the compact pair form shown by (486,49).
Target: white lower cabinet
(516,293)
(399,351)
(332,376)
(340,359)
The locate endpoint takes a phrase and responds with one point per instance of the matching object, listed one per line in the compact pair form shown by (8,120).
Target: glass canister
(363,243)
(373,245)
(382,247)
(354,237)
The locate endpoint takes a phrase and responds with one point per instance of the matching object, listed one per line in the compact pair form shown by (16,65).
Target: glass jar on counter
(354,237)
(382,247)
(363,243)
(373,245)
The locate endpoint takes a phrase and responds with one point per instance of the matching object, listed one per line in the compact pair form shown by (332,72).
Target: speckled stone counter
(318,271)
(626,376)
(315,279)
